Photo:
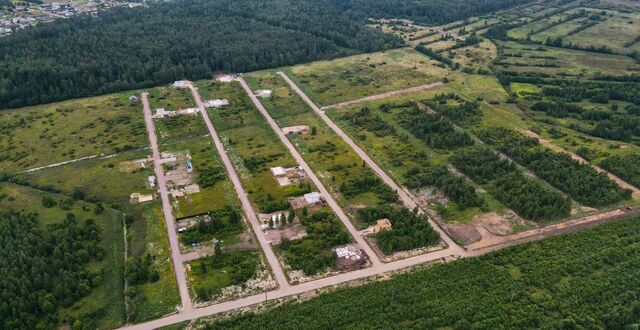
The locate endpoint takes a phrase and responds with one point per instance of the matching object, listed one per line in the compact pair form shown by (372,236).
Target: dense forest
(580,181)
(45,268)
(586,280)
(131,48)
(524,195)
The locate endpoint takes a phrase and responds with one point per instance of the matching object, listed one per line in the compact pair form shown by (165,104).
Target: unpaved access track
(407,199)
(276,268)
(383,95)
(378,269)
(176,257)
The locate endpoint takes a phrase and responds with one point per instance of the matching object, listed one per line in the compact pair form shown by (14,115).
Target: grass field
(328,82)
(104,306)
(252,146)
(46,134)
(560,61)
(103,179)
(170,98)
(613,33)
(476,56)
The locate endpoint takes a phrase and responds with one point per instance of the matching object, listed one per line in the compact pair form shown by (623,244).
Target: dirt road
(384,95)
(187,305)
(378,269)
(407,199)
(303,164)
(242,195)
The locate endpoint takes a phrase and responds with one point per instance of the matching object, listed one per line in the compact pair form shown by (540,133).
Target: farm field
(328,82)
(45,134)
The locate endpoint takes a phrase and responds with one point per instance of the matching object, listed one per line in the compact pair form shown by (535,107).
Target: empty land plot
(562,30)
(46,134)
(615,33)
(103,307)
(108,180)
(476,56)
(253,147)
(522,32)
(328,82)
(559,61)
(170,98)
(337,165)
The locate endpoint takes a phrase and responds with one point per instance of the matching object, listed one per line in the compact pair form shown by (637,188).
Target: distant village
(25,14)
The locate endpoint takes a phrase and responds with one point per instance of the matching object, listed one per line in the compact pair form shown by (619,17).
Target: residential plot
(47,134)
(253,147)
(175,115)
(329,82)
(304,231)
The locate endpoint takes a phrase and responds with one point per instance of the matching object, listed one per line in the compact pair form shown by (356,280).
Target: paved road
(406,198)
(244,199)
(187,305)
(325,193)
(384,95)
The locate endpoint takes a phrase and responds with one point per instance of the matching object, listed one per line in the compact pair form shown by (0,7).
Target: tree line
(526,196)
(433,128)
(580,181)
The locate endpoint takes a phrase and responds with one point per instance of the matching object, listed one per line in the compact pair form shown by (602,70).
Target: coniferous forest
(141,47)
